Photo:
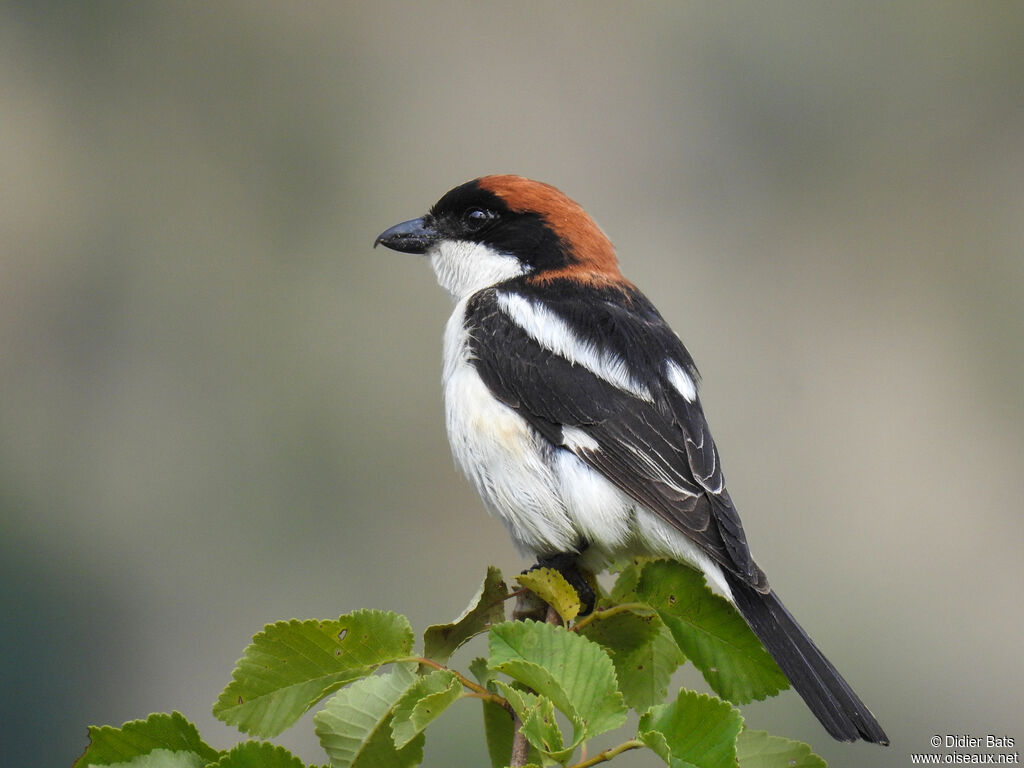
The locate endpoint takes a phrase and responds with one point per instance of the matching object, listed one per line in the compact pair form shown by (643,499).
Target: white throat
(463,267)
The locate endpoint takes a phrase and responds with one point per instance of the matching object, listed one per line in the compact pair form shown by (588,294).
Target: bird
(573,408)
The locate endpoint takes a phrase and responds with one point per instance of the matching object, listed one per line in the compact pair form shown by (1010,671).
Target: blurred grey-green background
(219,407)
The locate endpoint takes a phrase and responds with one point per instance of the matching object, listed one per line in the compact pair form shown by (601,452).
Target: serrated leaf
(624,590)
(498,725)
(538,724)
(644,674)
(540,728)
(109,745)
(759,749)
(643,651)
(291,665)
(551,587)
(710,632)
(162,758)
(519,698)
(440,641)
(424,701)
(575,673)
(354,727)
(258,754)
(694,731)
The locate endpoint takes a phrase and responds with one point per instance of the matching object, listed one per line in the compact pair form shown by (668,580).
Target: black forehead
(523,233)
(467,195)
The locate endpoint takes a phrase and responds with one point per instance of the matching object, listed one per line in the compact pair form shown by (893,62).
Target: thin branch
(478,691)
(643,608)
(609,753)
(520,746)
(518,593)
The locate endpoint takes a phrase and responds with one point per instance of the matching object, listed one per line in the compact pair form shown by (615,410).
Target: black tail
(828,696)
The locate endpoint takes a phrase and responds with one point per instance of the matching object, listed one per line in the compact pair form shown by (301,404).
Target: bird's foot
(565,564)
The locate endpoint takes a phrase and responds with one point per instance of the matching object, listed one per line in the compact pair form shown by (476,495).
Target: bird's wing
(615,372)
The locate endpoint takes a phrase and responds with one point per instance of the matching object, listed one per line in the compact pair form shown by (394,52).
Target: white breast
(503,456)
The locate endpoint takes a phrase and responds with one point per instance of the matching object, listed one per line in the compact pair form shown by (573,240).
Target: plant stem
(642,608)
(520,746)
(609,753)
(480,691)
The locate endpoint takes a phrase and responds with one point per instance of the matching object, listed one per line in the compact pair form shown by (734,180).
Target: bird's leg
(565,564)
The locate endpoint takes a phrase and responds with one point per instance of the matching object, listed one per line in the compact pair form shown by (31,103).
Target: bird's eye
(476,218)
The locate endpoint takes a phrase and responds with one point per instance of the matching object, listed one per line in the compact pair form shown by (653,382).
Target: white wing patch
(554,334)
(681,380)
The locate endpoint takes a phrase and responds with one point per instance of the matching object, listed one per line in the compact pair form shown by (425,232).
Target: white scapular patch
(464,267)
(681,380)
(552,333)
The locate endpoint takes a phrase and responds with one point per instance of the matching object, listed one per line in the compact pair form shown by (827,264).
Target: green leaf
(497,720)
(622,631)
(498,732)
(163,758)
(759,749)
(499,729)
(629,572)
(258,754)
(710,632)
(483,674)
(576,674)
(440,641)
(551,587)
(643,651)
(538,724)
(694,731)
(109,745)
(422,702)
(644,674)
(291,665)
(541,729)
(354,727)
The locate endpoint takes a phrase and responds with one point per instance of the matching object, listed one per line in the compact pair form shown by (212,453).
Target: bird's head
(498,228)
